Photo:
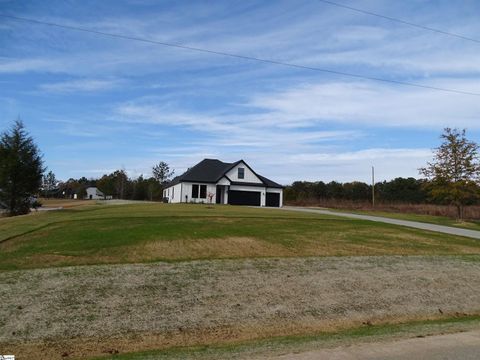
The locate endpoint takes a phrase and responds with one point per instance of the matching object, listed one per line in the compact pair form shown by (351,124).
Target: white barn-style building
(216,182)
(92,193)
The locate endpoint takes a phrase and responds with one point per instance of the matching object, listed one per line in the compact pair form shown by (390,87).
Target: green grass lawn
(430,219)
(97,234)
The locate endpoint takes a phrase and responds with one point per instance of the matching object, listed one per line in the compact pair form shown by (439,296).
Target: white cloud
(360,155)
(292,34)
(285,154)
(286,166)
(230,130)
(83,85)
(344,166)
(15,65)
(373,104)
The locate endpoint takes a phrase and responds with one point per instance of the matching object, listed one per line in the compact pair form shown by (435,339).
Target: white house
(94,194)
(213,181)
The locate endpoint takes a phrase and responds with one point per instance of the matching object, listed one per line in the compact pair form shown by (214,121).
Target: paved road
(464,346)
(414,224)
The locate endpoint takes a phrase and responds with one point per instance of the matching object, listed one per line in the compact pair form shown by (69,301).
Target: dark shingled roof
(212,170)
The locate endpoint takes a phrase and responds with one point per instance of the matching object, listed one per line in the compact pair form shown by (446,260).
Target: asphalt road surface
(460,346)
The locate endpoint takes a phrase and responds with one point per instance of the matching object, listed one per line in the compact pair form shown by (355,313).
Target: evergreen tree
(453,173)
(161,172)
(21,169)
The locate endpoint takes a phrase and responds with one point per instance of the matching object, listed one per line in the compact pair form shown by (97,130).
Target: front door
(218,199)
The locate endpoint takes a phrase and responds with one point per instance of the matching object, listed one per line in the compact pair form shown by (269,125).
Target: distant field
(100,234)
(444,212)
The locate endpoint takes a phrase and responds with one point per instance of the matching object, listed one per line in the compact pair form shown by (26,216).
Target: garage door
(273,199)
(236,197)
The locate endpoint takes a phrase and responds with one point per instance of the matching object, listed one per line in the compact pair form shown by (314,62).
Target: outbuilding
(94,194)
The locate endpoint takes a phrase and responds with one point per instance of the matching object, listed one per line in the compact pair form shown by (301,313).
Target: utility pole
(373,186)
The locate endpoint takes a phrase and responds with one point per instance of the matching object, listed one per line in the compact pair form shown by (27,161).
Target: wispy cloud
(290,123)
(83,85)
(230,130)
(373,104)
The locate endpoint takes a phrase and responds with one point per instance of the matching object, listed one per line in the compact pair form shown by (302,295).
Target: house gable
(223,181)
(249,176)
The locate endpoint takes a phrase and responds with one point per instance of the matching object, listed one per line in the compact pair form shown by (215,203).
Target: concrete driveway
(413,224)
(465,346)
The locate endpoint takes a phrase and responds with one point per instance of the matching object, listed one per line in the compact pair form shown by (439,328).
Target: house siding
(223,181)
(187,192)
(249,177)
(176,193)
(173,193)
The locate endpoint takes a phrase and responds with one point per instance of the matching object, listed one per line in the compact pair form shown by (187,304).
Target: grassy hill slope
(100,234)
(162,278)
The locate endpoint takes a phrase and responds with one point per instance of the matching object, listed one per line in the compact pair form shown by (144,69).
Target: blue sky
(95,104)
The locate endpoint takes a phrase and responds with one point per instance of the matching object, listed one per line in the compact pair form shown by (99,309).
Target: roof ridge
(212,170)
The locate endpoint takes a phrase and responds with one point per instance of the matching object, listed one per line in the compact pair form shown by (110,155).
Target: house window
(203,191)
(173,192)
(199,191)
(194,191)
(241,173)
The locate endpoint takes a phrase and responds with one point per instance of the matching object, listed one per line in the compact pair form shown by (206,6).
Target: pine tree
(21,169)
(453,173)
(161,172)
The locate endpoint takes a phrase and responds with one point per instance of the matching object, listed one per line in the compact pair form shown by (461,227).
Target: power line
(404,22)
(238,56)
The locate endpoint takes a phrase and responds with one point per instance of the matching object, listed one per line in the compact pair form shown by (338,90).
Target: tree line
(116,184)
(452,177)
(407,190)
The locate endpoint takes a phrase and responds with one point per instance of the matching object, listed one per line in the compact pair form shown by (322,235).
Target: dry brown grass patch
(65,203)
(229,247)
(86,310)
(86,347)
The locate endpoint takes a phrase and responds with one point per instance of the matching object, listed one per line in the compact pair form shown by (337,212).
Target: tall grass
(471,212)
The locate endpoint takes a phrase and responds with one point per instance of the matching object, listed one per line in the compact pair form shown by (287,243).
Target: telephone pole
(373,186)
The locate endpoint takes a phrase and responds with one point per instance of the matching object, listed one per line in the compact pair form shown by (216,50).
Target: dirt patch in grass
(81,347)
(65,203)
(87,310)
(209,248)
